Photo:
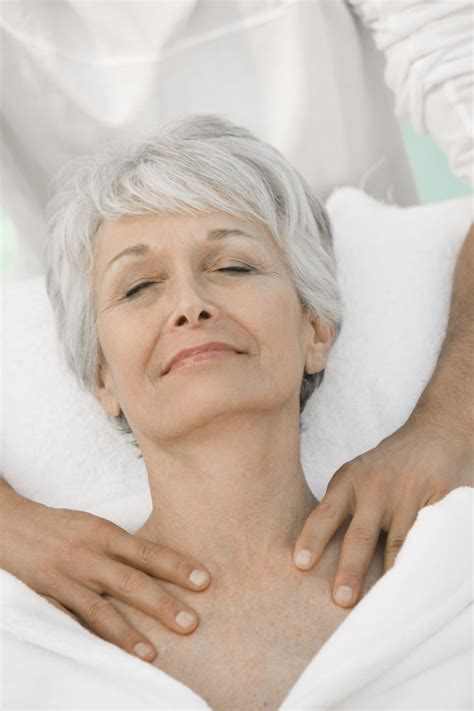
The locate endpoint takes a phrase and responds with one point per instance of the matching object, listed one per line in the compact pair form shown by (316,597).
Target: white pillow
(395,268)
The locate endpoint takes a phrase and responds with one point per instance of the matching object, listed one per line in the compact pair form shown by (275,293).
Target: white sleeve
(428,48)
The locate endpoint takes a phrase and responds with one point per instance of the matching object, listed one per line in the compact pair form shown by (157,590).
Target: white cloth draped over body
(406,645)
(320,80)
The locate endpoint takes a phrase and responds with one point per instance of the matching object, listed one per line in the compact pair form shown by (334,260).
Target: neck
(231,494)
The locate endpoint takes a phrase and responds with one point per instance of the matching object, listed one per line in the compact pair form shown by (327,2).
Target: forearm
(448,398)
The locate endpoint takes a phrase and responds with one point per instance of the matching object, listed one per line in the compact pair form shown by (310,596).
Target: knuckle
(393,544)
(360,535)
(326,509)
(105,533)
(97,611)
(131,581)
(149,552)
(339,475)
(350,468)
(347,466)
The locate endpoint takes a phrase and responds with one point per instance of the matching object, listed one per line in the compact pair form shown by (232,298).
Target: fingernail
(344,595)
(184,619)
(303,557)
(142,650)
(199,577)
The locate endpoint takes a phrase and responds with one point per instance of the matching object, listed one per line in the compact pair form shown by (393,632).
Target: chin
(193,412)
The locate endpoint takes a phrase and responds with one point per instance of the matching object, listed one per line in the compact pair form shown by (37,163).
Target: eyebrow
(140,250)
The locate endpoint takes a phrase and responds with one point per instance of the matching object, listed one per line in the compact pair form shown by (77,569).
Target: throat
(248,545)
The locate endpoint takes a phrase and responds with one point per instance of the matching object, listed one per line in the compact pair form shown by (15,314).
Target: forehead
(160,229)
(161,232)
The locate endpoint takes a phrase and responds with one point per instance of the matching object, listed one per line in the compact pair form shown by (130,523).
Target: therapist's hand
(383,489)
(71,557)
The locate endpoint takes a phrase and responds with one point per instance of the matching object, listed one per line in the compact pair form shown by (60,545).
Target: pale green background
(433,176)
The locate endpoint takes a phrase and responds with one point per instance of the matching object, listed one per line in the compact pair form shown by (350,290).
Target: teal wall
(430,166)
(433,176)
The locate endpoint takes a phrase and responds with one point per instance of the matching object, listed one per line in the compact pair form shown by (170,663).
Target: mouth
(198,354)
(202,358)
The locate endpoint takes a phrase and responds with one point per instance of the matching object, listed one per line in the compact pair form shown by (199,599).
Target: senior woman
(194,284)
(193,280)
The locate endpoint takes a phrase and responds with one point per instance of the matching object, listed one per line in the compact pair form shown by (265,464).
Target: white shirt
(307,76)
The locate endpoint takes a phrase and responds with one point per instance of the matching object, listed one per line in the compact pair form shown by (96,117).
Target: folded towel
(406,645)
(395,270)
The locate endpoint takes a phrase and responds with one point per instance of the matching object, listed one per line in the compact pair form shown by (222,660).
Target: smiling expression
(166,283)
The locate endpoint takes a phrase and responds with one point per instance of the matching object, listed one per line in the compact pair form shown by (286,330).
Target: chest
(249,648)
(252,644)
(251,656)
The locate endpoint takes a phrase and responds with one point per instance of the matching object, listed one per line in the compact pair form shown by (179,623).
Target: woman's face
(167,283)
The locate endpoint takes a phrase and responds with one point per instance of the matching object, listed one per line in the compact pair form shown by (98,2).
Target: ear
(104,392)
(319,342)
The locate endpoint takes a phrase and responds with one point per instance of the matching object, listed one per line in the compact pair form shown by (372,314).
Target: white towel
(406,645)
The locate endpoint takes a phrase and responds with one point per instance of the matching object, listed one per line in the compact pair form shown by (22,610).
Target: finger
(321,526)
(144,593)
(103,619)
(62,608)
(156,559)
(403,519)
(358,547)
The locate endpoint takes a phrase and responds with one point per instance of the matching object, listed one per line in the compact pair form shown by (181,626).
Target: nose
(192,306)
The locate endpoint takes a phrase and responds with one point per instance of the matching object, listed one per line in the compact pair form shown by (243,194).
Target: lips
(186,352)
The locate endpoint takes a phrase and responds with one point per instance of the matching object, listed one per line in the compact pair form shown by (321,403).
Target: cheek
(125,344)
(280,331)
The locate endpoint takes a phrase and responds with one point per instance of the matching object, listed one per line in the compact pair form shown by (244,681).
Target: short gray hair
(199,164)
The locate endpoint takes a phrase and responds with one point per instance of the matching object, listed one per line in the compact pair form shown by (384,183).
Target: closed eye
(136,289)
(139,287)
(234,269)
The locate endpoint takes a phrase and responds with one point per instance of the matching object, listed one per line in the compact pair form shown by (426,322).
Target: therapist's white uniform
(307,76)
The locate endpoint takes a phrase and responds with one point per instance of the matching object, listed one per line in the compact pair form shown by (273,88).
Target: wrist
(436,411)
